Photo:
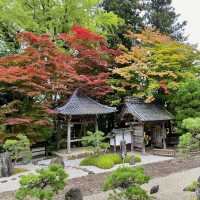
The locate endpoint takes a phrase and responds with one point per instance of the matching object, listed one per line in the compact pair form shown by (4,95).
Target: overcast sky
(190,11)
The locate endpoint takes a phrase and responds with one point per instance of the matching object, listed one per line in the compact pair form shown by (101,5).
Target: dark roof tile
(79,104)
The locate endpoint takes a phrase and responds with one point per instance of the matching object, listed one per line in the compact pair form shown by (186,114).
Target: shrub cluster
(107,161)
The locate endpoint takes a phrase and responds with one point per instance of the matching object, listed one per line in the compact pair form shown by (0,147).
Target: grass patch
(107,161)
(19,170)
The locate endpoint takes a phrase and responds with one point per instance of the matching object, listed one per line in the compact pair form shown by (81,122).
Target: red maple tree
(47,71)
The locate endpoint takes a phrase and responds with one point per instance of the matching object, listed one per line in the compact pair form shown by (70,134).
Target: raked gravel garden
(172,175)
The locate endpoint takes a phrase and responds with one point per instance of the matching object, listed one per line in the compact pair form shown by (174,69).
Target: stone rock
(58,161)
(91,172)
(6,165)
(198,180)
(74,194)
(198,193)
(154,189)
(132,160)
(4,181)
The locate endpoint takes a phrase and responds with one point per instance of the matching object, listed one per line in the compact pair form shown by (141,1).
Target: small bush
(104,161)
(137,158)
(126,176)
(192,187)
(95,141)
(19,170)
(136,193)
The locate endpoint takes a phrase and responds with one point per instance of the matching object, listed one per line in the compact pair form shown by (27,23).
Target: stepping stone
(4,181)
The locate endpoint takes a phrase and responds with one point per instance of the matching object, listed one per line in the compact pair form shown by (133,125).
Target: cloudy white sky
(190,11)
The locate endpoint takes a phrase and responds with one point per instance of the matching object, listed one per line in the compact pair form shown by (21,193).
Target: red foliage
(43,67)
(163,88)
(45,70)
(17,121)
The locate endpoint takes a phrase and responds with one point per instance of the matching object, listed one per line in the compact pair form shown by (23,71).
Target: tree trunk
(6,166)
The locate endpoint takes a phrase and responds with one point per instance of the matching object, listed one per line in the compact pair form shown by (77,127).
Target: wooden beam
(69,135)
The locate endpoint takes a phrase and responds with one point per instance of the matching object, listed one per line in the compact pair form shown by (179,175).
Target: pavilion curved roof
(145,112)
(80,104)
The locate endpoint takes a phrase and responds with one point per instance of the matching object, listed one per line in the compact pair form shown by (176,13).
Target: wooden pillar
(69,135)
(96,124)
(115,145)
(132,138)
(143,145)
(164,135)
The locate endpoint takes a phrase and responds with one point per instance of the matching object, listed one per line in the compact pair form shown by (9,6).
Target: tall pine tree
(161,15)
(130,11)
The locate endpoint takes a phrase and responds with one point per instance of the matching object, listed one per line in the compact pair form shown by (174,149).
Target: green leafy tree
(191,140)
(52,17)
(42,185)
(19,148)
(162,16)
(96,141)
(186,101)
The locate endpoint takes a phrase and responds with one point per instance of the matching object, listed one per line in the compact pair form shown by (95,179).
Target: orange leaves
(149,36)
(136,55)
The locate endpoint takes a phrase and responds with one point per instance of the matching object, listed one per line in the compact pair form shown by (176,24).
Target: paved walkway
(72,168)
(171,187)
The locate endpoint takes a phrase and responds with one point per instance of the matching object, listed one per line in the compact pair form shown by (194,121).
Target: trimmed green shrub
(127,181)
(104,161)
(42,185)
(124,177)
(91,160)
(137,158)
(136,193)
(192,187)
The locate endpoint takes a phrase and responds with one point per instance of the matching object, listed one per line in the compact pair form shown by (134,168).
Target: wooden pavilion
(81,110)
(139,121)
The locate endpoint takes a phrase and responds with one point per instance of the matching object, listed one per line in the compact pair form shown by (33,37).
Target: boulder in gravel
(58,161)
(154,189)
(74,194)
(198,193)
(198,180)
(6,166)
